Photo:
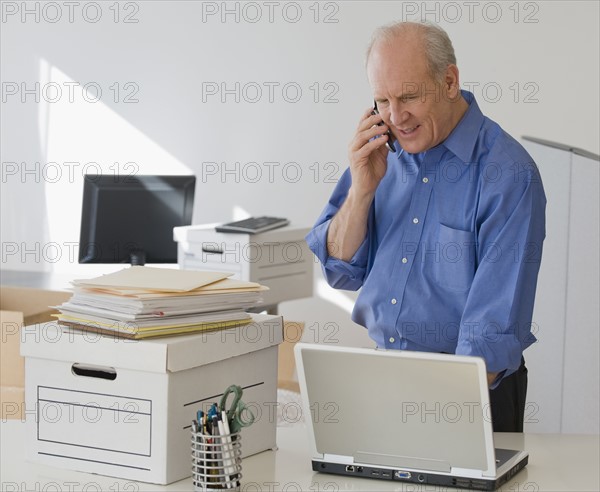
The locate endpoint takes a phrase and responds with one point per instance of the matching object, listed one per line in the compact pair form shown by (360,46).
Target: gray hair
(438,47)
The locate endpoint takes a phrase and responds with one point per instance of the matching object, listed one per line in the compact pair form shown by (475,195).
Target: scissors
(236,410)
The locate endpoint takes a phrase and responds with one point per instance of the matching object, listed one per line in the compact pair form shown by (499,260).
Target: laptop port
(386,474)
(421,478)
(375,473)
(349,468)
(359,469)
(403,475)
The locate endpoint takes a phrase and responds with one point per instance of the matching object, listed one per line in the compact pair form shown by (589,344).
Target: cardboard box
(124,408)
(12,400)
(19,307)
(287,378)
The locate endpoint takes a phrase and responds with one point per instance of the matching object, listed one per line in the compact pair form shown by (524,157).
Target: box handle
(212,248)
(90,371)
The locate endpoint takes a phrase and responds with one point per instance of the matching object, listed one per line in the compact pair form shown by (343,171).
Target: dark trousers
(508,401)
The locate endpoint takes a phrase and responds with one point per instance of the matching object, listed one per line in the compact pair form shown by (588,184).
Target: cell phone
(390,141)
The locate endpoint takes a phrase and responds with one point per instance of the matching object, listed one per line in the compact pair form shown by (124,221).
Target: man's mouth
(408,131)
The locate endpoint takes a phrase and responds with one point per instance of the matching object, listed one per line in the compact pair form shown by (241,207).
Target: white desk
(557,462)
(36,280)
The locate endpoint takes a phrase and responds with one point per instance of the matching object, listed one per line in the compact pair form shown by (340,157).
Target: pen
(218,463)
(228,451)
(199,416)
(198,449)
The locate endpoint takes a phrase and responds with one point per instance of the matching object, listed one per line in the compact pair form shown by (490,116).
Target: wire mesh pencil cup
(216,461)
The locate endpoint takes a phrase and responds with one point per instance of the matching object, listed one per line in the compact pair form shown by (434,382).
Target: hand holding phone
(390,142)
(368,155)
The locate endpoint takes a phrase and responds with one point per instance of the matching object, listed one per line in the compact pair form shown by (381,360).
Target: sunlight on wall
(335,297)
(81,134)
(43,107)
(239,213)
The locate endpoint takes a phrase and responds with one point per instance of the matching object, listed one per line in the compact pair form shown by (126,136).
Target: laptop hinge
(338,458)
(401,461)
(468,472)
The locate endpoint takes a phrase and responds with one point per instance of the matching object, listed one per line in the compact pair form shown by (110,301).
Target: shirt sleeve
(496,321)
(347,275)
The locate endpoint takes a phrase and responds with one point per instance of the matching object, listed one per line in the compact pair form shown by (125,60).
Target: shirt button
(404,260)
(394,301)
(392,339)
(415,220)
(425,180)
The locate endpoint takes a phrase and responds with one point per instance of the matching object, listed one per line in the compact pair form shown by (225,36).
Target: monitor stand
(137,257)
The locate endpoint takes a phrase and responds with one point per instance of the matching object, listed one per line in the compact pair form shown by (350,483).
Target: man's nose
(398,114)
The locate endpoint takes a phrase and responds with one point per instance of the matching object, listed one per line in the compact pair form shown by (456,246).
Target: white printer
(279,258)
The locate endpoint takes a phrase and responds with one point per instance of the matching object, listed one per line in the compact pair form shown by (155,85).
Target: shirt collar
(461,140)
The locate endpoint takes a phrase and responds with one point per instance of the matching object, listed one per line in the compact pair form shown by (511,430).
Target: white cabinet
(563,393)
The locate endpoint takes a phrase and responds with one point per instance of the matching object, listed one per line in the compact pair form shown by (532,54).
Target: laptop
(403,416)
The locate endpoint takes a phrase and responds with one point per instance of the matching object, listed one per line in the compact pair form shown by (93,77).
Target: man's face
(420,111)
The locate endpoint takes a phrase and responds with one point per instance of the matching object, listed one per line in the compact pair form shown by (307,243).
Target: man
(444,235)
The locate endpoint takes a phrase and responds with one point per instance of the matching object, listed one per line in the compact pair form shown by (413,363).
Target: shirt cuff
(497,359)
(354,268)
(498,379)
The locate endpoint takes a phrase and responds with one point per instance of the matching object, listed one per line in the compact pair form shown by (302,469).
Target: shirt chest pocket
(454,267)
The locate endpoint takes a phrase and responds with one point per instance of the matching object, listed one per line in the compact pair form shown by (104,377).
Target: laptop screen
(400,409)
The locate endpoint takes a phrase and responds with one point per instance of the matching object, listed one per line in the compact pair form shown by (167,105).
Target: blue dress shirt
(453,247)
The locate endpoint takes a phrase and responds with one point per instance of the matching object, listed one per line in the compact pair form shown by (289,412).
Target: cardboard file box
(124,408)
(19,306)
(279,259)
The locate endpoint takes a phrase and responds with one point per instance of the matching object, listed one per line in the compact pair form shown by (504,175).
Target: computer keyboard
(253,225)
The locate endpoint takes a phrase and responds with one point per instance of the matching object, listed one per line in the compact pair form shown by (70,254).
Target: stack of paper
(142,302)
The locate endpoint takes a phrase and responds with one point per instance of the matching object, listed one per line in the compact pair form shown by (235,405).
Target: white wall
(532,65)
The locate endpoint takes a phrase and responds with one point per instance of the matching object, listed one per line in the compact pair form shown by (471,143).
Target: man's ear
(451,83)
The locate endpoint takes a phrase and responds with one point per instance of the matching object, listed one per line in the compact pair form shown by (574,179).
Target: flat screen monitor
(130,219)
